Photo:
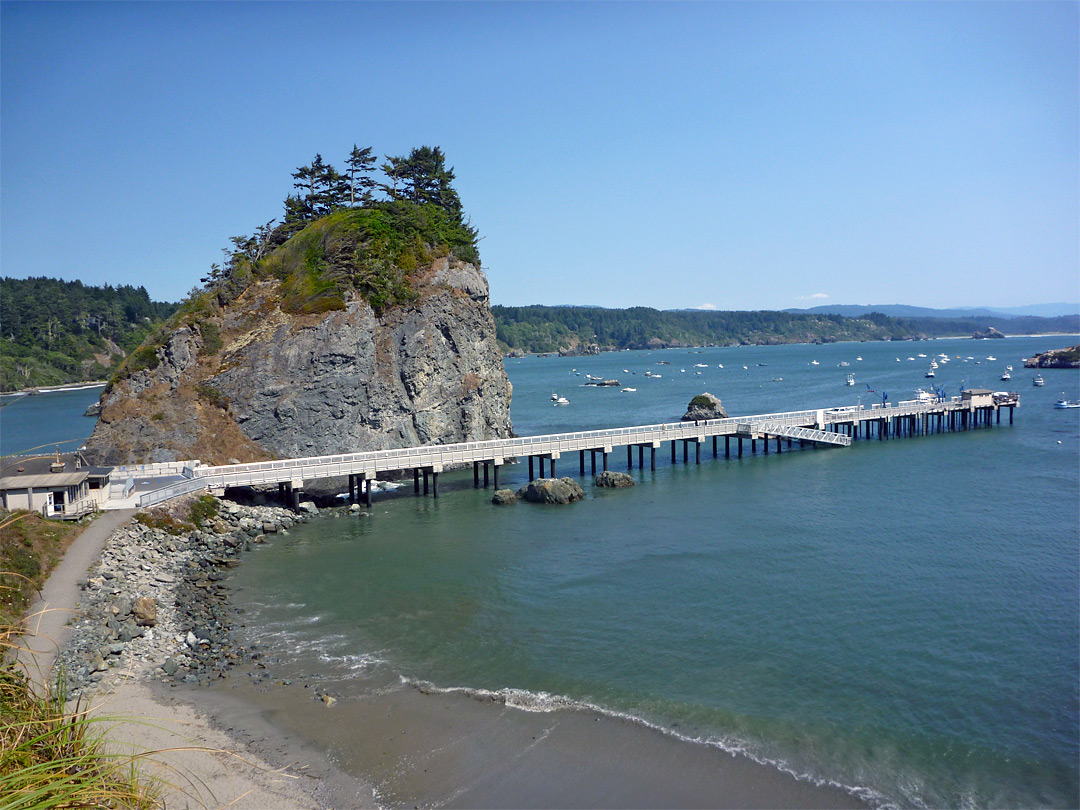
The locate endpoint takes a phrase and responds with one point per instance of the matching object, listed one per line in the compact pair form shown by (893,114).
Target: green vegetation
(53,757)
(57,332)
(50,755)
(31,548)
(701,401)
(550,329)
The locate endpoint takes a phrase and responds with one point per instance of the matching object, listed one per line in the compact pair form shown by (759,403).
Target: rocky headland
(305,354)
(1069,357)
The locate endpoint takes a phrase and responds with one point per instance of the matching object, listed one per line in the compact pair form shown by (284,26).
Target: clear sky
(733,155)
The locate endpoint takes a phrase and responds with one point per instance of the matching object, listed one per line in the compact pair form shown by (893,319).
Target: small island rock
(704,406)
(503,497)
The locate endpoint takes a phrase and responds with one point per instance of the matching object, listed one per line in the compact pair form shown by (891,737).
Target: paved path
(46,624)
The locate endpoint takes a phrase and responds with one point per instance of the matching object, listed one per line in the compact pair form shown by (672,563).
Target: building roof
(20,472)
(983,392)
(44,480)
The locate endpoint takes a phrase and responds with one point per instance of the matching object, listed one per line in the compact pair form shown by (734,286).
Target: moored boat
(1064,403)
(1038,381)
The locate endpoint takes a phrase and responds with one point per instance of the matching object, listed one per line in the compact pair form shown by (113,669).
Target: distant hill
(905,311)
(58,332)
(579,330)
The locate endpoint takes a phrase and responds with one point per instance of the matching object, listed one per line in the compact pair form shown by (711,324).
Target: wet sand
(454,750)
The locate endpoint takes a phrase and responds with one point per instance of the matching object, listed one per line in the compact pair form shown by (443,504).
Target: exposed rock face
(610,478)
(284,385)
(504,497)
(704,406)
(990,332)
(552,490)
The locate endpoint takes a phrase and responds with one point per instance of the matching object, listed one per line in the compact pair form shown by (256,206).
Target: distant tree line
(551,329)
(56,332)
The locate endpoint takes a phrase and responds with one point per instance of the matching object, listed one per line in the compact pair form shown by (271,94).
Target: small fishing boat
(1005,375)
(815,363)
(562,401)
(629,390)
(929,372)
(1064,403)
(700,365)
(850,379)
(1038,381)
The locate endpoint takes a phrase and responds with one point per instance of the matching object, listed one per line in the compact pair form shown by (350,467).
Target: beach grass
(54,755)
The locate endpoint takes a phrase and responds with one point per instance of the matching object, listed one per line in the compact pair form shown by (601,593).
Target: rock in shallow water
(552,490)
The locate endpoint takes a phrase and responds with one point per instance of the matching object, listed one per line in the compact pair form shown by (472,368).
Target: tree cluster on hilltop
(57,332)
(417,202)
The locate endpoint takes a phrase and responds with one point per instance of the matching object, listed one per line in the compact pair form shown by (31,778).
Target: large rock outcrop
(255,382)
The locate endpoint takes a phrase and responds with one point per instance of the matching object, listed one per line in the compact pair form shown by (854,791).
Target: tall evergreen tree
(361,163)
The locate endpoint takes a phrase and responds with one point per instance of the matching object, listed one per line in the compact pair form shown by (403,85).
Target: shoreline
(299,744)
(115,665)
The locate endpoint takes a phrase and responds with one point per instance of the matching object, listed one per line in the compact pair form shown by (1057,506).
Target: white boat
(1005,375)
(850,379)
(929,372)
(554,397)
(719,365)
(844,364)
(858,358)
(700,365)
(991,357)
(924,396)
(562,401)
(815,363)
(1009,367)
(922,355)
(629,390)
(1038,381)
(933,364)
(1064,403)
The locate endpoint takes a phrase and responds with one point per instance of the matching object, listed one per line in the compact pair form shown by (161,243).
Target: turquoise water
(899,616)
(39,423)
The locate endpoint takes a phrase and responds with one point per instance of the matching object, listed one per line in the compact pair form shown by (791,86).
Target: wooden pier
(835,427)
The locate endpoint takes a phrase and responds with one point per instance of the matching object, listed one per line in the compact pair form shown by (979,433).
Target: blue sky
(729,155)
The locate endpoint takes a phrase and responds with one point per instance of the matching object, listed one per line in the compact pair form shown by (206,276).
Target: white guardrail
(439,457)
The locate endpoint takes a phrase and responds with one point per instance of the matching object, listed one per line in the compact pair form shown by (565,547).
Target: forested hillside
(551,329)
(55,332)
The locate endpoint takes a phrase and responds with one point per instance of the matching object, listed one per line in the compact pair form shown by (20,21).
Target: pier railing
(806,425)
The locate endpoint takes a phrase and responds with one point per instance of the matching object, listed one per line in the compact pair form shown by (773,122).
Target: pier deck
(825,427)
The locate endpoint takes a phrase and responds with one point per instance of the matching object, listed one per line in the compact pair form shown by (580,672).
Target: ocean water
(900,616)
(39,424)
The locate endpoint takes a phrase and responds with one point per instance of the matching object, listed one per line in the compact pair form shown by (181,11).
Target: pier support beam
(496,472)
(367,492)
(581,453)
(486,476)
(434,484)
(531,477)
(416,481)
(476,474)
